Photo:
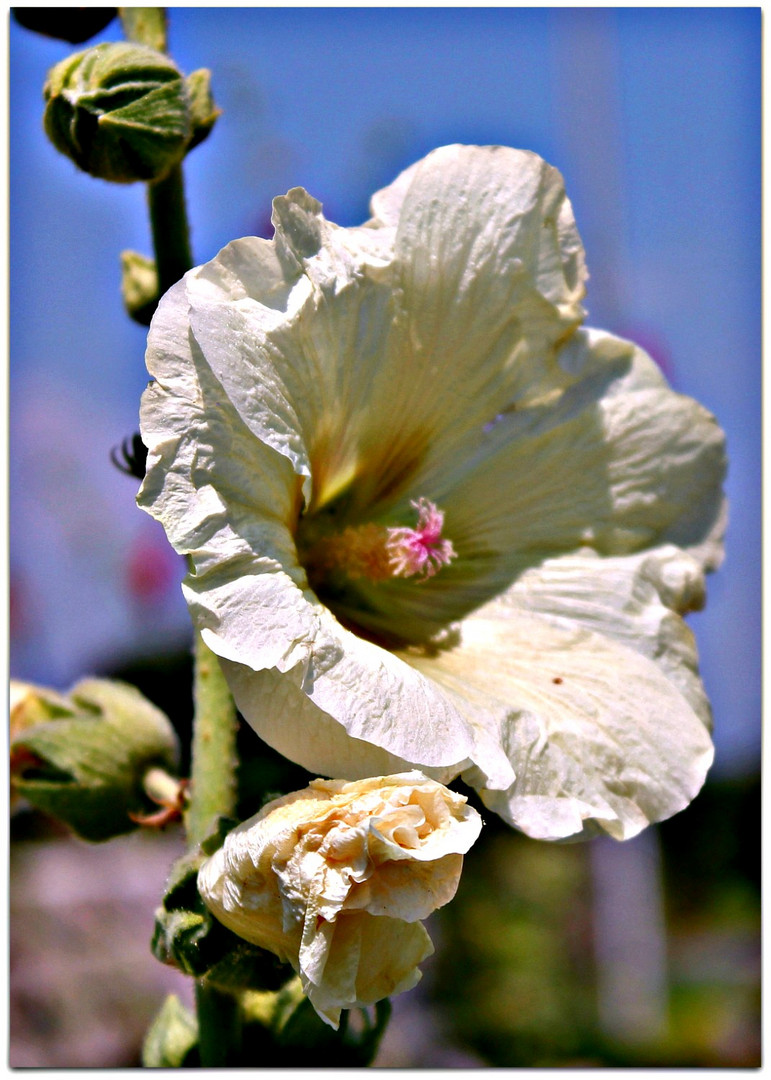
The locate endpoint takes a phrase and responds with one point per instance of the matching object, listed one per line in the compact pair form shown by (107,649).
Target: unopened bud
(83,756)
(124,112)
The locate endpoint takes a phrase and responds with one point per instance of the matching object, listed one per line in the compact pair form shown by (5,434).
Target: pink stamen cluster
(420,550)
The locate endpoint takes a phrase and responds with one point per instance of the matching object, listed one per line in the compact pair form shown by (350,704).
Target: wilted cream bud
(124,112)
(335,879)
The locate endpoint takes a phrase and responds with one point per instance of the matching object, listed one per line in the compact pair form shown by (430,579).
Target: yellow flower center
(379,552)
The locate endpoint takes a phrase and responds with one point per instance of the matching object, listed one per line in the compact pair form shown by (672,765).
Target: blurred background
(643,954)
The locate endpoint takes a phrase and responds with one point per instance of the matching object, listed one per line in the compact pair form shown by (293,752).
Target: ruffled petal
(227,500)
(344,712)
(600,735)
(618,462)
(637,600)
(615,460)
(410,890)
(392,949)
(361,353)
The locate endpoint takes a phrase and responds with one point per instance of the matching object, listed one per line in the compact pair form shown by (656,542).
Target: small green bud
(139,286)
(83,757)
(121,112)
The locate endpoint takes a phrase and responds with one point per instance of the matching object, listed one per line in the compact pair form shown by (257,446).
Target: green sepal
(120,111)
(291,1033)
(172,1040)
(139,286)
(85,762)
(189,937)
(203,111)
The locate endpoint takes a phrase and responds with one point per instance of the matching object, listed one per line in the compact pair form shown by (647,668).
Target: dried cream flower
(336,878)
(432,521)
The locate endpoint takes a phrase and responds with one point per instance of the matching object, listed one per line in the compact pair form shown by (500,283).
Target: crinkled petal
(617,463)
(226,499)
(344,712)
(410,889)
(598,734)
(364,361)
(637,600)
(618,467)
(392,949)
(301,374)
(616,460)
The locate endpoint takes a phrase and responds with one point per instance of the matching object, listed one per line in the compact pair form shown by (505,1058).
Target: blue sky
(651,114)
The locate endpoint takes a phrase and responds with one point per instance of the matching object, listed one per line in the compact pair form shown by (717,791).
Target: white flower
(336,878)
(432,520)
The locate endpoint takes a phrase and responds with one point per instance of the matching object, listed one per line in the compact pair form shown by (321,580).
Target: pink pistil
(420,550)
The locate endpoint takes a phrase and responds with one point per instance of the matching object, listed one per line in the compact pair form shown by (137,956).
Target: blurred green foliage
(516,976)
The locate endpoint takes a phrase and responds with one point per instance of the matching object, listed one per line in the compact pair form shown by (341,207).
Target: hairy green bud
(83,757)
(124,112)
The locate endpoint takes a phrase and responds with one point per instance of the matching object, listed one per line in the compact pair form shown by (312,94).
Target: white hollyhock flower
(433,521)
(335,879)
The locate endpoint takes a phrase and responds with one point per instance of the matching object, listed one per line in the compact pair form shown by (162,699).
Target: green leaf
(291,1034)
(172,1040)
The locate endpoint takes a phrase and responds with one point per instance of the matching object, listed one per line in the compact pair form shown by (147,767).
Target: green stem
(171,232)
(213,787)
(213,791)
(219,1027)
(145,26)
(213,779)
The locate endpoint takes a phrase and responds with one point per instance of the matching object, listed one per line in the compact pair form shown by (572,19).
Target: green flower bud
(83,757)
(139,285)
(123,112)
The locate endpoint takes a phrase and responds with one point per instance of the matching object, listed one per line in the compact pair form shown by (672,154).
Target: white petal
(363,362)
(636,600)
(227,500)
(410,890)
(596,733)
(357,710)
(618,462)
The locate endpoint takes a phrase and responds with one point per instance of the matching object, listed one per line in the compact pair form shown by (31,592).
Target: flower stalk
(170,228)
(213,788)
(212,793)
(213,770)
(145,26)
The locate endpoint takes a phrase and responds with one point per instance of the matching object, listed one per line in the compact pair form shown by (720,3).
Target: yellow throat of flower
(379,552)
